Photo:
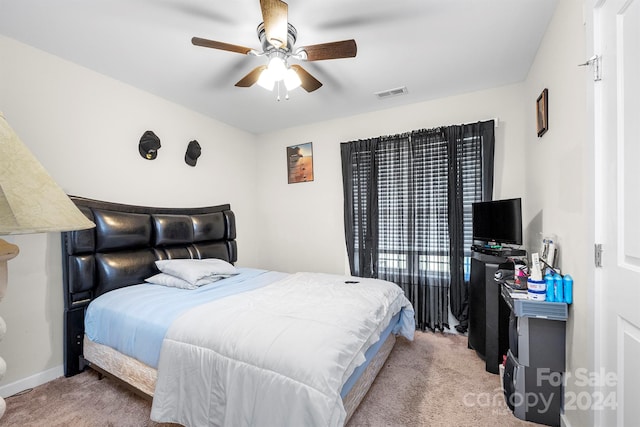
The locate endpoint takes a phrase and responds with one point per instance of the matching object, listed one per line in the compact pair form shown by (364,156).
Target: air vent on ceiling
(391,92)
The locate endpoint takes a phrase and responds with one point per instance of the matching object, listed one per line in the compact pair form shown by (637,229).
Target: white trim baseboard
(32,381)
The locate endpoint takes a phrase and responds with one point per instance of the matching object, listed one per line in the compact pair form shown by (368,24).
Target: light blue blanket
(135,319)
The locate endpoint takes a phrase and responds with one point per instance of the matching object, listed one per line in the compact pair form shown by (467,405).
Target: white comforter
(275,356)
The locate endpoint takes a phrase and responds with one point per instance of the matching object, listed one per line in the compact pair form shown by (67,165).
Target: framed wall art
(542,112)
(300,163)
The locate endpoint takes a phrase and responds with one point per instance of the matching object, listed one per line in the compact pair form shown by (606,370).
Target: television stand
(488,312)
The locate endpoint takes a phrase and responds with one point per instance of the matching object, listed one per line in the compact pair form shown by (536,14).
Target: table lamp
(30,202)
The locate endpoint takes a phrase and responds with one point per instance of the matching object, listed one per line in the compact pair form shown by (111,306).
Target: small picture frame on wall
(300,163)
(542,112)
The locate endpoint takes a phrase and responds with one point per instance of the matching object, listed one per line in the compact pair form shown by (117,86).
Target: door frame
(595,193)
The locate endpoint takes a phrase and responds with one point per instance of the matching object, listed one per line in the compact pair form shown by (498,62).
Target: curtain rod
(496,121)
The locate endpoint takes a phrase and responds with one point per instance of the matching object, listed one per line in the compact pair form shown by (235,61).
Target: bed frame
(121,251)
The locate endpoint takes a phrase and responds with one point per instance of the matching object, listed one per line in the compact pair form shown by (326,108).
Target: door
(617,144)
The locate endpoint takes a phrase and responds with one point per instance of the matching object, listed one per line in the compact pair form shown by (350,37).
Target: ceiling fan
(278,38)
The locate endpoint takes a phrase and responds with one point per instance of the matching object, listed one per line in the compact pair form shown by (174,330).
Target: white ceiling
(435,48)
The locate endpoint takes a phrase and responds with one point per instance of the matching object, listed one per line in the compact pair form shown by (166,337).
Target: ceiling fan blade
(197,41)
(251,78)
(334,50)
(308,82)
(275,16)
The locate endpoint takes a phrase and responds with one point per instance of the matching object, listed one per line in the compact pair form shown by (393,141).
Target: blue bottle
(551,292)
(557,279)
(567,281)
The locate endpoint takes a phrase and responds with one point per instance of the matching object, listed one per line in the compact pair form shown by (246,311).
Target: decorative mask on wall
(192,154)
(149,145)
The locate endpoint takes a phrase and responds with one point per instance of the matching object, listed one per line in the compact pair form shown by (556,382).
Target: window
(408,204)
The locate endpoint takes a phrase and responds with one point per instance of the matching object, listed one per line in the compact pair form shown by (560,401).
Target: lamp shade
(30,200)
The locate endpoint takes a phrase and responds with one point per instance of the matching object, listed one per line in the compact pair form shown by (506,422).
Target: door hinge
(598,255)
(596,64)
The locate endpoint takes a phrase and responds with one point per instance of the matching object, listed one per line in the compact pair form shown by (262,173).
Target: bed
(249,347)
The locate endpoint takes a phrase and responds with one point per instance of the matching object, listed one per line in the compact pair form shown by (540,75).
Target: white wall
(84,128)
(558,184)
(303,222)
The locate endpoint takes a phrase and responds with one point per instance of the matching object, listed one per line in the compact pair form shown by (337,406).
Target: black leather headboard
(122,249)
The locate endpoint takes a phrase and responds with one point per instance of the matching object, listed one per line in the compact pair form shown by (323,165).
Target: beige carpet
(433,381)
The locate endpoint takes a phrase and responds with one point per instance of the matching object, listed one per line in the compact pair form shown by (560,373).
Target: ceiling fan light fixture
(292,80)
(277,68)
(266,80)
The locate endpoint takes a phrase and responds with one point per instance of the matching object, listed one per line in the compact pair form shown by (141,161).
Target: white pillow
(165,279)
(197,272)
(221,266)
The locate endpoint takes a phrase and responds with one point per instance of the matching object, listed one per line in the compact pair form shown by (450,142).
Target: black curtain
(360,183)
(470,159)
(405,201)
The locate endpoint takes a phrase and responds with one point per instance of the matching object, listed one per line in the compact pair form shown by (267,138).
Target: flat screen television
(498,221)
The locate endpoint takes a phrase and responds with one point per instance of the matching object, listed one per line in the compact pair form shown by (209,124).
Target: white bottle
(551,253)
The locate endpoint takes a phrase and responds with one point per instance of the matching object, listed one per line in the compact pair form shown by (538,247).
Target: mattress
(125,328)
(143,377)
(133,321)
